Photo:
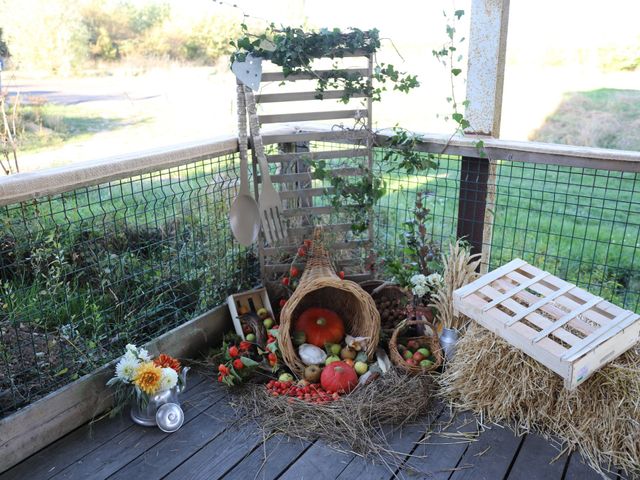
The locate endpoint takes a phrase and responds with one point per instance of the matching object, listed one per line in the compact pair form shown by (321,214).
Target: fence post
(485,79)
(472,204)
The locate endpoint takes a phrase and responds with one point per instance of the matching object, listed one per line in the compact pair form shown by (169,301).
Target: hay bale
(353,423)
(601,418)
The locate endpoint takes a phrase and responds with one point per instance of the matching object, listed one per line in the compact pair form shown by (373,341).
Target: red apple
(413,345)
(412,362)
(418,357)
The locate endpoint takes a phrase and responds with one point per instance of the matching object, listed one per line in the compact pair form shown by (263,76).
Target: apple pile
(264,315)
(415,354)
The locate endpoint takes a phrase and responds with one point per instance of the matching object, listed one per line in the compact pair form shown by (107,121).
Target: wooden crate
(567,329)
(254,300)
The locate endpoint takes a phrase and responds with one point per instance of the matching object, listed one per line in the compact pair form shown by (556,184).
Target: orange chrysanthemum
(167,361)
(148,377)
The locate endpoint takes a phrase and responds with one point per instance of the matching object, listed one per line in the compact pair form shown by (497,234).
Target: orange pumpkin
(321,326)
(338,377)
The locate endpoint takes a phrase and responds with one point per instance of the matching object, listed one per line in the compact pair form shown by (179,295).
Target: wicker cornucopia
(321,287)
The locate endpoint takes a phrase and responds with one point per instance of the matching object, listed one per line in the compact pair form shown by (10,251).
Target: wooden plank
(308,230)
(128,445)
(60,454)
(311,211)
(291,249)
(174,449)
(313,75)
(439,453)
(306,176)
(578,469)
(220,455)
(567,318)
(510,293)
(270,459)
(331,135)
(304,96)
(311,116)
(285,267)
(36,426)
(537,320)
(540,303)
(601,335)
(52,181)
(488,278)
(490,456)
(306,193)
(401,440)
(537,460)
(312,156)
(319,461)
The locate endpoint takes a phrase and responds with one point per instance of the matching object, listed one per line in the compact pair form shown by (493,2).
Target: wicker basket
(321,287)
(429,341)
(382,292)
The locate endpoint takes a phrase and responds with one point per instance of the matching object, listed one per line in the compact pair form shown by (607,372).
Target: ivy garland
(294,50)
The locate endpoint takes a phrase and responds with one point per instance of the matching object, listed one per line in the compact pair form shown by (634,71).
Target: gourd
(311,355)
(338,377)
(321,326)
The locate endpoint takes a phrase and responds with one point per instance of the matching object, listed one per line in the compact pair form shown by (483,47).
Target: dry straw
(353,423)
(459,269)
(601,418)
(321,287)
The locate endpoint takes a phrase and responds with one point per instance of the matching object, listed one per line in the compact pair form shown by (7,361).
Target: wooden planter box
(567,329)
(253,300)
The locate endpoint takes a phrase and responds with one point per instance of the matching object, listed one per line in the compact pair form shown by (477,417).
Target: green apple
(362,357)
(333,348)
(407,354)
(426,363)
(331,359)
(263,313)
(251,337)
(361,368)
(424,351)
(285,377)
(268,323)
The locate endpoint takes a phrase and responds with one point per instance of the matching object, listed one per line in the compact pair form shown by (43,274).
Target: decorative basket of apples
(418,354)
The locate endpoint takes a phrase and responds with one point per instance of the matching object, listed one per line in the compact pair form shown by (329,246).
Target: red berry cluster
(313,393)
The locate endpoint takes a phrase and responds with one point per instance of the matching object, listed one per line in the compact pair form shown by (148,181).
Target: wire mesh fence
(578,223)
(85,272)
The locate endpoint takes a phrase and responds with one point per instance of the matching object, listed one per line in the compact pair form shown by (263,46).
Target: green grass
(45,126)
(607,118)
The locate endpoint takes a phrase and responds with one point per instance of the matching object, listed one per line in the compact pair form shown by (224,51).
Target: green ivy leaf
(247,362)
(456,71)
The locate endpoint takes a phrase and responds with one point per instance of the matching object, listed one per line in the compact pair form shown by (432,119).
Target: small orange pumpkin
(338,377)
(321,326)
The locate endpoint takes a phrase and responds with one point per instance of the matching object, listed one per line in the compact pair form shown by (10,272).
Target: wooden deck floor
(212,444)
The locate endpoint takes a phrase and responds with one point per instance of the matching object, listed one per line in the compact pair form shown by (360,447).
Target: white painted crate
(253,300)
(567,329)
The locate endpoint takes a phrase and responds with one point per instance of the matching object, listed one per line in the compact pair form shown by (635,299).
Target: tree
(4,48)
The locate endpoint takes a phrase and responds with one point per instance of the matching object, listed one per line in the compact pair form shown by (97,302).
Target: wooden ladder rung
(315,74)
(311,116)
(308,176)
(567,318)
(304,96)
(291,249)
(336,135)
(306,211)
(285,267)
(326,155)
(510,293)
(306,193)
(336,227)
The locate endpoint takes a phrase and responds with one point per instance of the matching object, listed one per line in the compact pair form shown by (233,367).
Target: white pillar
(485,80)
(485,70)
